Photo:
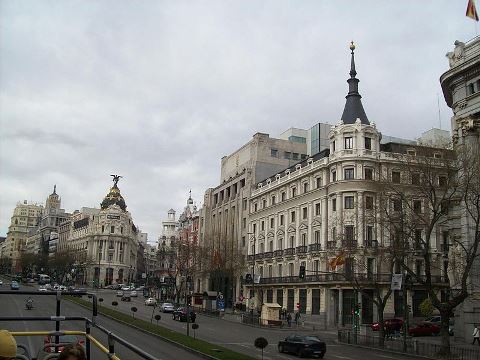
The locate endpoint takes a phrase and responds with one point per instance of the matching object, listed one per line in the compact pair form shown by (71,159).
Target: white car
(151,302)
(48,286)
(42,288)
(133,293)
(1,283)
(167,308)
(126,288)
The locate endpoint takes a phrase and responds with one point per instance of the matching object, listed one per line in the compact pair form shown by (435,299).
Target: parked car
(126,288)
(79,290)
(63,340)
(133,293)
(151,302)
(437,320)
(1,282)
(14,285)
(424,329)
(180,314)
(42,288)
(303,345)
(48,286)
(119,293)
(167,308)
(126,297)
(390,324)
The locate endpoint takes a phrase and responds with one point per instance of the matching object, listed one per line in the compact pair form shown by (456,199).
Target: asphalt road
(240,337)
(14,305)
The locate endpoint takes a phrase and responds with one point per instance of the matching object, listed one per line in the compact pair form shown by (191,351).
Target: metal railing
(108,350)
(414,346)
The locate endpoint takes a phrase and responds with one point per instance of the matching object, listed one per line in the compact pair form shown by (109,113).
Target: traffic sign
(221,304)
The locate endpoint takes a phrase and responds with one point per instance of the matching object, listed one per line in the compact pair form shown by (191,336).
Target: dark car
(303,345)
(390,324)
(181,314)
(424,329)
(126,297)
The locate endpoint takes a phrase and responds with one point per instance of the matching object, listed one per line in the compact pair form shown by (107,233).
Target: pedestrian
(289,320)
(72,352)
(8,345)
(476,335)
(297,317)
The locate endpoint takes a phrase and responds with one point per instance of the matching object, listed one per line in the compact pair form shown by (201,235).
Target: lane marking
(385,356)
(342,357)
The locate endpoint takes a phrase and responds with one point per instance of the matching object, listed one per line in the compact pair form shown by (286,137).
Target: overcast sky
(159,91)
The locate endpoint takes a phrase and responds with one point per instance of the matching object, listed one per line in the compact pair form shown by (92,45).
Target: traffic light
(357,309)
(189,300)
(248,278)
(301,275)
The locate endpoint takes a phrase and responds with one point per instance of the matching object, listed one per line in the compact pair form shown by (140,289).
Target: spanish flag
(337,261)
(471,10)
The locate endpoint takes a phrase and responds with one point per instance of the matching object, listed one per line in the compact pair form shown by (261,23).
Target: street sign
(221,304)
(396,282)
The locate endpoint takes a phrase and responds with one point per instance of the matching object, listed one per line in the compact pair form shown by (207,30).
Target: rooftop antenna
(439,118)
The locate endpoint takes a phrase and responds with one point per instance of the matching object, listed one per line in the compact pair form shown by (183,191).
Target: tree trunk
(381,329)
(445,323)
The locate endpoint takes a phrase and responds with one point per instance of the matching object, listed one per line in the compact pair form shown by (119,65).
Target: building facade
(461,89)
(326,208)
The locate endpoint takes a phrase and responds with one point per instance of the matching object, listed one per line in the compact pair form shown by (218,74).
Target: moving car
(303,345)
(151,302)
(1,283)
(167,308)
(14,285)
(42,288)
(133,293)
(390,324)
(126,297)
(63,340)
(424,329)
(181,314)
(119,293)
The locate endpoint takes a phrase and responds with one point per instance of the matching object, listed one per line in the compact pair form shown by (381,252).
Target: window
(274,152)
(397,204)
(255,207)
(121,230)
(304,213)
(254,228)
(437,155)
(243,241)
(316,265)
(290,269)
(349,174)
(279,270)
(273,200)
(292,241)
(334,175)
(264,203)
(370,268)
(270,271)
(244,204)
(349,233)
(112,229)
(411,152)
(419,267)
(292,216)
(316,236)
(304,239)
(303,156)
(317,209)
(442,181)
(295,156)
(334,204)
(396,177)
(369,202)
(263,225)
(415,179)
(283,196)
(103,228)
(418,239)
(444,207)
(272,220)
(270,246)
(280,244)
(348,141)
(281,219)
(294,191)
(368,143)
(244,223)
(368,174)
(471,89)
(287,155)
(369,234)
(318,181)
(305,187)
(333,145)
(417,206)
(349,202)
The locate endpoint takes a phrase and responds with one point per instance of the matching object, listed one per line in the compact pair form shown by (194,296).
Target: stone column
(361,218)
(340,306)
(339,223)
(310,215)
(324,222)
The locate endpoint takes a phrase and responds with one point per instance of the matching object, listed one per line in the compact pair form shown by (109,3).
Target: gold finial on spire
(352,45)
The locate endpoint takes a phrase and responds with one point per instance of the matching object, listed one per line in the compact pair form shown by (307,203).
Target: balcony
(278,253)
(301,249)
(371,243)
(329,278)
(350,244)
(268,254)
(314,247)
(289,251)
(331,244)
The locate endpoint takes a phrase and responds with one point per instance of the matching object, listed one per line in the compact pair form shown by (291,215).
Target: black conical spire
(353,107)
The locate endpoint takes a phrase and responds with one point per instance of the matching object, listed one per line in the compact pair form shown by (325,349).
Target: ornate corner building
(328,204)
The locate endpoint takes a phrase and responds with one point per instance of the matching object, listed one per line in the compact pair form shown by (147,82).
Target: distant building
(26,217)
(317,139)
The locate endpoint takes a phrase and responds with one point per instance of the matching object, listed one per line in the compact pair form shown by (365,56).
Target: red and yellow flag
(471,10)
(337,261)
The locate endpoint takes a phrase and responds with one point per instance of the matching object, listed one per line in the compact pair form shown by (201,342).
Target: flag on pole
(337,261)
(471,10)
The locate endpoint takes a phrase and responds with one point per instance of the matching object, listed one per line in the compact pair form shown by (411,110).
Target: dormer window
(368,143)
(348,141)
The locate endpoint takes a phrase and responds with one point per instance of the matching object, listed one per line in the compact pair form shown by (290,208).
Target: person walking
(289,320)
(297,317)
(476,335)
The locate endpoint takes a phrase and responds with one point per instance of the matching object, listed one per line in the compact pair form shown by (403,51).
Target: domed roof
(113,197)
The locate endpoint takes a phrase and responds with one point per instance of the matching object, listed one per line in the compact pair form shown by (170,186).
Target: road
(14,305)
(240,337)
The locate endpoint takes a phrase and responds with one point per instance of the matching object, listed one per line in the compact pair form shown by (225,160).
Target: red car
(390,324)
(62,339)
(424,329)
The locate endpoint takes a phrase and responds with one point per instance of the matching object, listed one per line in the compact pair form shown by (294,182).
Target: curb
(384,350)
(193,351)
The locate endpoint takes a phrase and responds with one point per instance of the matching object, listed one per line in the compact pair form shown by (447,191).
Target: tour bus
(43,279)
